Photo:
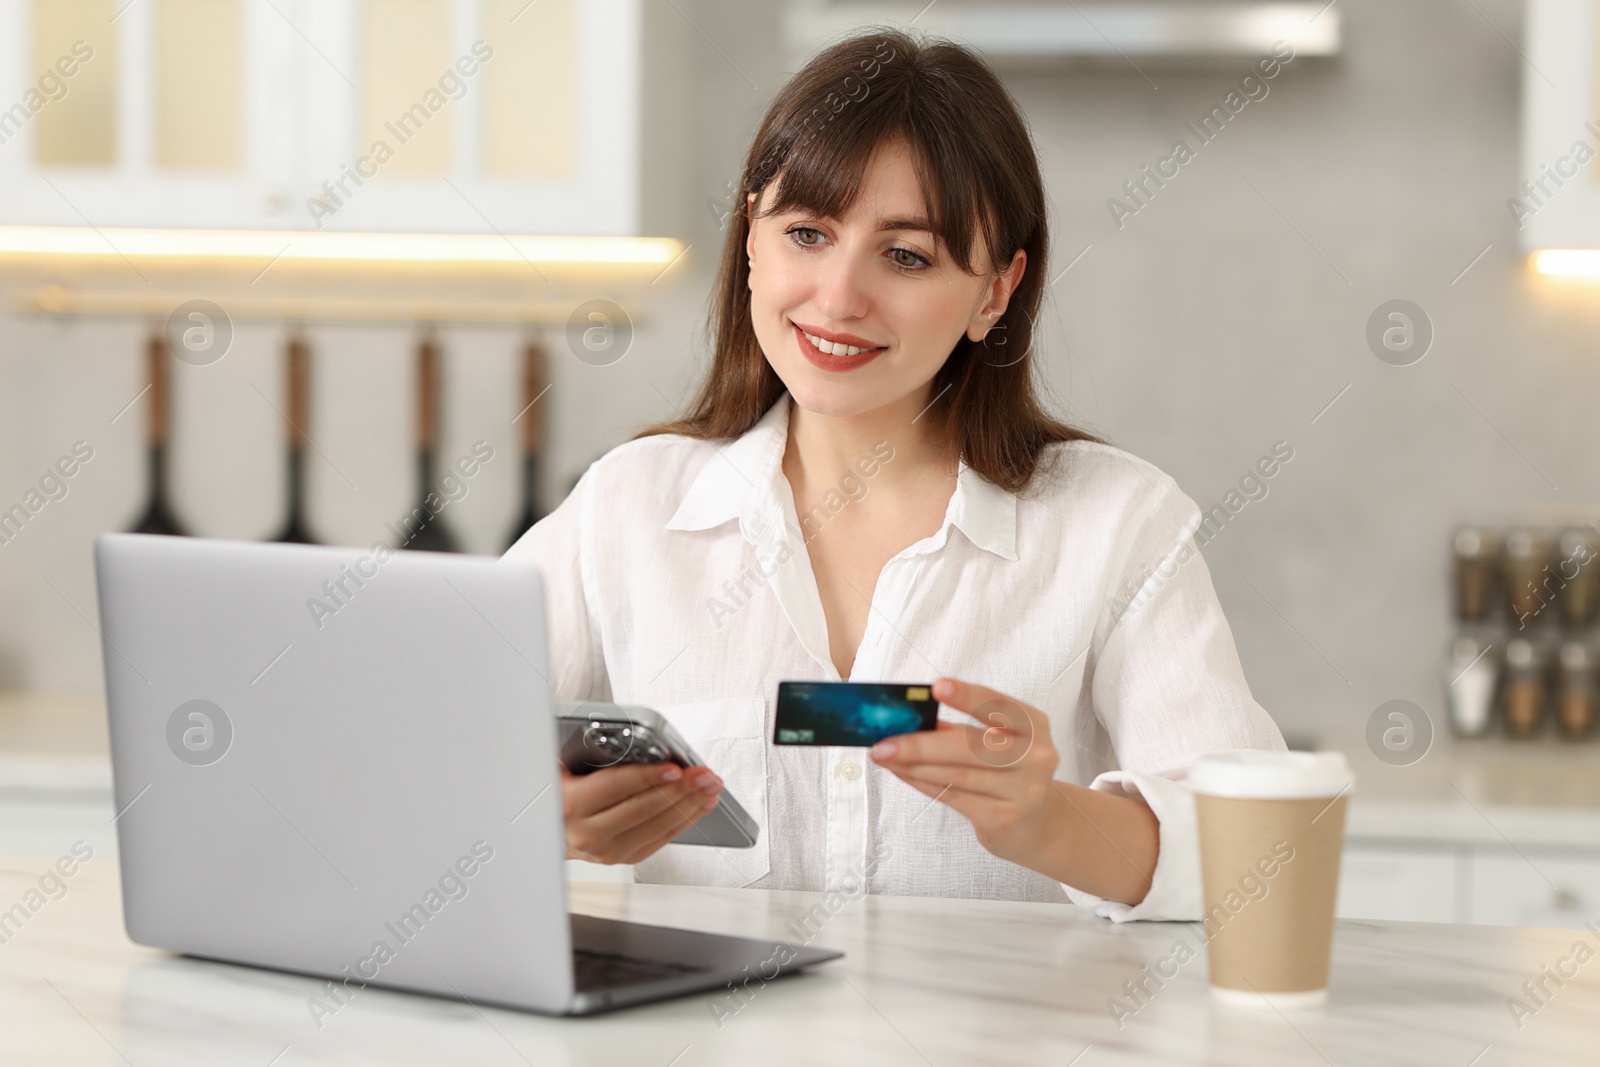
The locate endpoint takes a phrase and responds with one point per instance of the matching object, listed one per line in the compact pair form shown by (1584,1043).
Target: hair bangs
(820,172)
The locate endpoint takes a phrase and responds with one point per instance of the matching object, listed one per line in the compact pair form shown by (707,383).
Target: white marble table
(925,982)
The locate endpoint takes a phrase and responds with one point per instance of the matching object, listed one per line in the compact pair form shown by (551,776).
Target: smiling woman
(922,144)
(878,292)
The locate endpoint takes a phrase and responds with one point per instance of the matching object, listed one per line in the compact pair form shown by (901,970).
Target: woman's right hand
(625,813)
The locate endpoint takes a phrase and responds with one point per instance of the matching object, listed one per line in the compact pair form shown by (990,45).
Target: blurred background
(274,266)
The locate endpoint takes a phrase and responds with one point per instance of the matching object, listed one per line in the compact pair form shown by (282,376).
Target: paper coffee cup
(1271,832)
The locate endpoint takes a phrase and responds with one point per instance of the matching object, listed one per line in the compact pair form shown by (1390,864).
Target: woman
(867,488)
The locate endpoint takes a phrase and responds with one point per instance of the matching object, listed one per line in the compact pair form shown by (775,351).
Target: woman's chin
(835,399)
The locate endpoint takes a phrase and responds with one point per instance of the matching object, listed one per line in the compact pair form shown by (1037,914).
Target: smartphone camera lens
(607,744)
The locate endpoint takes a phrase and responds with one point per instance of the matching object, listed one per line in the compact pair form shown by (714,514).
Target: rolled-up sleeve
(560,546)
(1168,687)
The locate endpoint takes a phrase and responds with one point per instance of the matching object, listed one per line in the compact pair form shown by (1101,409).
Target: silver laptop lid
(337,761)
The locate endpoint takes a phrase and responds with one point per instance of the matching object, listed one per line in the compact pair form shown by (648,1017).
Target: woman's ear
(750,231)
(998,293)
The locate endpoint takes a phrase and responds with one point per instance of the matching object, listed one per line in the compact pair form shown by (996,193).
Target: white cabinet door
(443,116)
(474,116)
(49,826)
(1558,139)
(1534,889)
(166,119)
(1409,885)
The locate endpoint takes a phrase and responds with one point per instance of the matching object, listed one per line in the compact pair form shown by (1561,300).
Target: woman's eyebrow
(919,225)
(916,223)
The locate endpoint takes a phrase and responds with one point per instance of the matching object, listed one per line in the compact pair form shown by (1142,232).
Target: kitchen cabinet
(1408,885)
(447,116)
(1472,832)
(1483,884)
(1535,889)
(1555,200)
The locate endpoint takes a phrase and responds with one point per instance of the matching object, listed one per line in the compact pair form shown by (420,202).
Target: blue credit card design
(851,713)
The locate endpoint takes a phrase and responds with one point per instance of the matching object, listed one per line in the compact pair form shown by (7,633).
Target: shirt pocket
(730,737)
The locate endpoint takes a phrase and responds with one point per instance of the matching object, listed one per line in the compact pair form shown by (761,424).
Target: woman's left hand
(1001,775)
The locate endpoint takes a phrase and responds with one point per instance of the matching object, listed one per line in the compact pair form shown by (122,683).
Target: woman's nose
(841,292)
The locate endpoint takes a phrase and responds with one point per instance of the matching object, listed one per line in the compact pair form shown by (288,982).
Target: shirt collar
(986,513)
(740,479)
(744,481)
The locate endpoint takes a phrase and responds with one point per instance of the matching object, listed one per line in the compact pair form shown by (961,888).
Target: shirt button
(849,769)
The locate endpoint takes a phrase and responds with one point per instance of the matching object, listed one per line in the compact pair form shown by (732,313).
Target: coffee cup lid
(1249,772)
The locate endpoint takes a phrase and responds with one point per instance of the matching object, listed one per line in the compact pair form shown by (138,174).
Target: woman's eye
(913,261)
(903,258)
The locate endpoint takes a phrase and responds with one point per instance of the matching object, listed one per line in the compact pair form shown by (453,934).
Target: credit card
(851,713)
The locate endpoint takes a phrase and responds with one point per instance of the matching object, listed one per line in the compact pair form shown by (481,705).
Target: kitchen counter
(1542,792)
(72,724)
(68,730)
(924,982)
(1489,832)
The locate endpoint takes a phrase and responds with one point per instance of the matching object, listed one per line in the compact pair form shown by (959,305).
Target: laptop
(342,762)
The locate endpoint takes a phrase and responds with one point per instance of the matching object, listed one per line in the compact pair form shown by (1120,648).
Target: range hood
(1035,34)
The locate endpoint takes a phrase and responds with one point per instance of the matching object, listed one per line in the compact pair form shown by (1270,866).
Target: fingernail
(709,805)
(884,750)
(670,773)
(943,688)
(708,783)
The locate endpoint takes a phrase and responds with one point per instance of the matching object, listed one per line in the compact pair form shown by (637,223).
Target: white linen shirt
(676,577)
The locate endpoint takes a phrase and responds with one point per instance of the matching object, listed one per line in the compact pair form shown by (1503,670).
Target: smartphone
(851,713)
(593,735)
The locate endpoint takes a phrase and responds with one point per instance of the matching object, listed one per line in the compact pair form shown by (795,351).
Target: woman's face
(876,280)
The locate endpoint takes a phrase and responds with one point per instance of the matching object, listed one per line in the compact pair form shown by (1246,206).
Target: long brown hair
(974,158)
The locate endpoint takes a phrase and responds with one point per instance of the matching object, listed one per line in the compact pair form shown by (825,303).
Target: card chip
(917,692)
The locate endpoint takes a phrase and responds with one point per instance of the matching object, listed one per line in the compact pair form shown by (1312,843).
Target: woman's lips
(822,359)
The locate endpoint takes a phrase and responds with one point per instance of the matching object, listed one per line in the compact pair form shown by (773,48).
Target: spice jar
(1523,698)
(1579,576)
(1470,676)
(1477,563)
(1526,560)
(1577,695)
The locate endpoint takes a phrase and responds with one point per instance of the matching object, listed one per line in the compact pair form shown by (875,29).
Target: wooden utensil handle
(427,390)
(296,359)
(533,385)
(156,367)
